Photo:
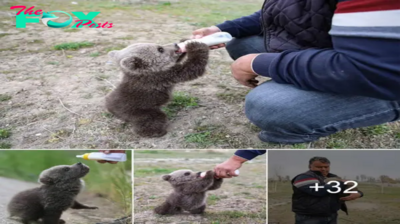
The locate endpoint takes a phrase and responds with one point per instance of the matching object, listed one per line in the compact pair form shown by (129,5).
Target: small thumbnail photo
(73,187)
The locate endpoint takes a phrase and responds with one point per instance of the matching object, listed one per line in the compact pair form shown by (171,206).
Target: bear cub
(189,192)
(60,186)
(150,72)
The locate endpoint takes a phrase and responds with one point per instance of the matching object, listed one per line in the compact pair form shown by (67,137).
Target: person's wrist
(238,159)
(215,29)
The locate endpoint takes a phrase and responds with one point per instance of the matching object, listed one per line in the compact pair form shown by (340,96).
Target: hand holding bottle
(108,152)
(200,33)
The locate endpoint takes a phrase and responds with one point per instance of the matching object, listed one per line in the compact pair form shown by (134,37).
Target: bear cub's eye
(160,49)
(66,168)
(187,173)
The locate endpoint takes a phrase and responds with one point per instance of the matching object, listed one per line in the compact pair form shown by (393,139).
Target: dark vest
(305,204)
(297,24)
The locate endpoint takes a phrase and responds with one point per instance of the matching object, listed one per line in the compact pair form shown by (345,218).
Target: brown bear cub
(60,186)
(189,192)
(150,72)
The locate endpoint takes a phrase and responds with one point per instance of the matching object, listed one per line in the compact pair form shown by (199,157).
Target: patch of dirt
(363,205)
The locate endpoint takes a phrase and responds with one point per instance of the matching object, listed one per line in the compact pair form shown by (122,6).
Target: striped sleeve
(367,18)
(307,184)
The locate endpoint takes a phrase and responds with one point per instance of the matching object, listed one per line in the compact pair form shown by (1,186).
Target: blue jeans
(289,115)
(305,219)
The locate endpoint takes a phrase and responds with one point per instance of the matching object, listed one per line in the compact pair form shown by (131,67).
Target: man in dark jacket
(313,200)
(333,66)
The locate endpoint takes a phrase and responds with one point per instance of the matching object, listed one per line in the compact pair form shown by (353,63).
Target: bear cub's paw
(196,46)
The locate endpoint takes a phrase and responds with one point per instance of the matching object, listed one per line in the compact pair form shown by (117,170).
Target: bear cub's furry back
(189,192)
(150,72)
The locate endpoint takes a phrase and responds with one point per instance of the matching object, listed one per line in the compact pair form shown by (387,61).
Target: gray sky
(349,163)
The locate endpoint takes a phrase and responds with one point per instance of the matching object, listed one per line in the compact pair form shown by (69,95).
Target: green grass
(12,48)
(179,102)
(101,77)
(94,54)
(4,133)
(153,152)
(8,72)
(114,48)
(73,45)
(203,13)
(53,63)
(299,146)
(205,136)
(107,115)
(233,97)
(5,145)
(36,41)
(110,180)
(336,143)
(376,130)
(5,97)
(213,199)
(223,216)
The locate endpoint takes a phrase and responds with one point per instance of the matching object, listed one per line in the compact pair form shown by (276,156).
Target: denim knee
(264,110)
(275,114)
(287,114)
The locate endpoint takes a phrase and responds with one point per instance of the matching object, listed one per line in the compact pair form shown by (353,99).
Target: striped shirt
(364,61)
(367,18)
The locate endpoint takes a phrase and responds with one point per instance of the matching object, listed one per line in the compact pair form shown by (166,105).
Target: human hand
(352,196)
(227,169)
(242,71)
(108,152)
(197,34)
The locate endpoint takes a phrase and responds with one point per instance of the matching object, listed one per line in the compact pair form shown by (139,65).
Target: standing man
(312,201)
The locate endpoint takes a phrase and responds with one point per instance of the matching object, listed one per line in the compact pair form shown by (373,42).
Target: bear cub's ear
(133,63)
(166,177)
(46,180)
